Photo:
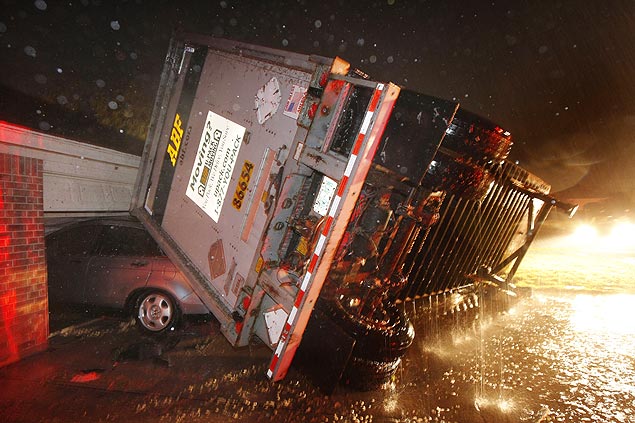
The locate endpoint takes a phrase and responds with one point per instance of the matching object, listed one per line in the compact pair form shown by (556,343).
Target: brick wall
(23,287)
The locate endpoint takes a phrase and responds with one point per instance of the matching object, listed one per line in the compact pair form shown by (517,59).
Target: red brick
(21,263)
(22,206)
(23,288)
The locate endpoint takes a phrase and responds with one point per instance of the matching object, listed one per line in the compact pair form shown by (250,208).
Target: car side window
(78,241)
(127,241)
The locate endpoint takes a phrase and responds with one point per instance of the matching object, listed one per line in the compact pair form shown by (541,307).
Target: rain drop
(543,49)
(44,125)
(233,22)
(223,4)
(372,58)
(390,59)
(113,105)
(121,131)
(30,51)
(360,42)
(133,56)
(115,25)
(120,98)
(100,83)
(3,27)
(40,79)
(40,4)
(61,99)
(317,23)
(196,68)
(59,70)
(390,2)
(285,42)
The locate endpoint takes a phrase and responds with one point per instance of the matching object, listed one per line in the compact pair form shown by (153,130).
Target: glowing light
(604,313)
(588,238)
(623,234)
(584,234)
(503,404)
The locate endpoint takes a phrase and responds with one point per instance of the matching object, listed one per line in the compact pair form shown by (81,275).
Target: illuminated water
(556,357)
(567,354)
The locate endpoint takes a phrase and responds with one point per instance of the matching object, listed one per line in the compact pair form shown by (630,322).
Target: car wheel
(156,312)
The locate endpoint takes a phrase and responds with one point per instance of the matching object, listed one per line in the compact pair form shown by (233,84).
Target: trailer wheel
(156,312)
(379,340)
(368,375)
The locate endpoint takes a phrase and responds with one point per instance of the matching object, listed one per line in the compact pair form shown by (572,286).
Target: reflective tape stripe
(366,124)
(322,240)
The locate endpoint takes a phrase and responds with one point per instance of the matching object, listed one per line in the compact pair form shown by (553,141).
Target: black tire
(156,312)
(379,341)
(368,375)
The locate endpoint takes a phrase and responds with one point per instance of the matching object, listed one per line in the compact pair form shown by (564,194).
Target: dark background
(557,74)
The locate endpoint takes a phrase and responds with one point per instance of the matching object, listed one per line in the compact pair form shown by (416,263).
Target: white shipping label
(214,163)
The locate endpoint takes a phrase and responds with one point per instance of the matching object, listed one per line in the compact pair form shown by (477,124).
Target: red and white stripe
(291,319)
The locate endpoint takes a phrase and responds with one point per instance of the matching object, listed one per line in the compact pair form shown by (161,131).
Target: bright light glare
(604,314)
(624,232)
(587,237)
(503,404)
(584,234)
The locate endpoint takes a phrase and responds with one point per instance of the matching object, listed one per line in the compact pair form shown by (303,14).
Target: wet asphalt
(534,363)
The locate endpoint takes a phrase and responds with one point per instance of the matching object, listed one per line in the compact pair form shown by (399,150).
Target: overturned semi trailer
(281,183)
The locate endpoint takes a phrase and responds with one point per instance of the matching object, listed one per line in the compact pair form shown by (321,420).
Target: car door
(121,265)
(68,255)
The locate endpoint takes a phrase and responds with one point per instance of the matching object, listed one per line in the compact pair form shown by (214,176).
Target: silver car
(116,263)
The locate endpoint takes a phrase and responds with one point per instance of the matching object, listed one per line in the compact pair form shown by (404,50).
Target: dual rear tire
(379,344)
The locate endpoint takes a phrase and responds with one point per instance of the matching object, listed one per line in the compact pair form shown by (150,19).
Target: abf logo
(175,139)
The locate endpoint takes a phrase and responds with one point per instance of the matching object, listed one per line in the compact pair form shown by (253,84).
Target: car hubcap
(155,312)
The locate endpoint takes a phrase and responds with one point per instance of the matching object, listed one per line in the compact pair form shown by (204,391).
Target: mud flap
(324,352)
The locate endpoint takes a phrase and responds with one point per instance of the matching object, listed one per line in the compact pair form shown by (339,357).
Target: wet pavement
(562,355)
(551,359)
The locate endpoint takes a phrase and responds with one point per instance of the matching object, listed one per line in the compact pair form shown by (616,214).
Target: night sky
(559,75)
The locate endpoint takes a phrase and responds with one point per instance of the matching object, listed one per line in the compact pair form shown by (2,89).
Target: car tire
(156,312)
